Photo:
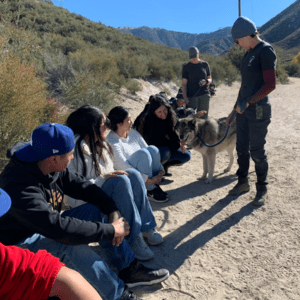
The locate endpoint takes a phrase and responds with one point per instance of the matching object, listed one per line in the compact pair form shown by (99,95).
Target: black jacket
(160,133)
(36,205)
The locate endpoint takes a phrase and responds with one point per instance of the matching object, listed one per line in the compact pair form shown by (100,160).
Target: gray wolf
(211,131)
(182,112)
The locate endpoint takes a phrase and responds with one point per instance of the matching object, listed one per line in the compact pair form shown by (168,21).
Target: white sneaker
(141,249)
(153,237)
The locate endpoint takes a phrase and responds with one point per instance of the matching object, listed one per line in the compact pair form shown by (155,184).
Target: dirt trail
(222,247)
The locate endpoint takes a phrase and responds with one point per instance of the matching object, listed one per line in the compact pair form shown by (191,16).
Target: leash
(224,137)
(226,133)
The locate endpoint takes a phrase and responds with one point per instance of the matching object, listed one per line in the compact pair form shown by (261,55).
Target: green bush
(292,69)
(235,55)
(53,112)
(222,70)
(133,86)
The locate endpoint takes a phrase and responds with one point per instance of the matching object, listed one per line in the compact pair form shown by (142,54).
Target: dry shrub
(22,101)
(296,59)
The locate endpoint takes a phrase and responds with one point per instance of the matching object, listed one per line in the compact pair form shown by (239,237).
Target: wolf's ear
(151,98)
(176,125)
(192,124)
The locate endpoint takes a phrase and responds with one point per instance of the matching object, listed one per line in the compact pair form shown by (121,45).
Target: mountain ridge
(283,31)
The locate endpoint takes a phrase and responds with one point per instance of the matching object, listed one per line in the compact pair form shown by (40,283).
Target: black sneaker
(157,196)
(159,188)
(137,274)
(129,295)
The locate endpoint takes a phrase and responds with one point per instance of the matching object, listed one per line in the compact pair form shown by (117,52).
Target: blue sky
(183,16)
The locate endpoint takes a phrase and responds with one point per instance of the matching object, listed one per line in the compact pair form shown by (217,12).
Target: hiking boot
(153,237)
(260,198)
(239,189)
(141,249)
(137,274)
(157,195)
(129,295)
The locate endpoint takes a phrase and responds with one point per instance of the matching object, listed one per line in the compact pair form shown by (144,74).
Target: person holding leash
(196,78)
(36,178)
(252,108)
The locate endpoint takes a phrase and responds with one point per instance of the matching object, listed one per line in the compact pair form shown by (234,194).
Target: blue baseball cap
(47,140)
(243,27)
(5,203)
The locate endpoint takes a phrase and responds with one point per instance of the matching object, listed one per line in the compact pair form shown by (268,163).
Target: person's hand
(201,113)
(182,146)
(230,119)
(186,101)
(240,110)
(204,82)
(121,227)
(114,174)
(242,105)
(161,173)
(180,102)
(154,180)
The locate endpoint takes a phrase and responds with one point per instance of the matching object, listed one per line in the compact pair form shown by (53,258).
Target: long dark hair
(148,113)
(116,116)
(86,121)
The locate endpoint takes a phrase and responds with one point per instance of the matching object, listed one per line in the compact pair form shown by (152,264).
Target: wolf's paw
(227,170)
(208,180)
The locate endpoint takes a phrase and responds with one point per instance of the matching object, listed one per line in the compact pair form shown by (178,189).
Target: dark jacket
(32,212)
(160,133)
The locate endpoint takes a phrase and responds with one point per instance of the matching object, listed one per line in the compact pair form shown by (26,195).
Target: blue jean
(146,161)
(83,259)
(168,156)
(251,138)
(130,196)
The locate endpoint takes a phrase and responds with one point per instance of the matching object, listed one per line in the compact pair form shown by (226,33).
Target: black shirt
(194,73)
(261,58)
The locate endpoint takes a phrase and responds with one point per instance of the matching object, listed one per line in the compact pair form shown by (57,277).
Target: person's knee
(123,181)
(144,154)
(243,154)
(259,157)
(133,173)
(165,153)
(153,150)
(187,157)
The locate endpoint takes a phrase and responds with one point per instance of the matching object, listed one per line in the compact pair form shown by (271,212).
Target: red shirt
(26,275)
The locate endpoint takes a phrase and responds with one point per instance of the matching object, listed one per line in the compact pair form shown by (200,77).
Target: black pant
(251,138)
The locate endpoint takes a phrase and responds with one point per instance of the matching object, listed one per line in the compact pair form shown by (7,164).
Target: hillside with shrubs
(53,61)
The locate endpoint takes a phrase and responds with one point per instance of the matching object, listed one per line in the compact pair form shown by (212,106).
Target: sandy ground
(221,247)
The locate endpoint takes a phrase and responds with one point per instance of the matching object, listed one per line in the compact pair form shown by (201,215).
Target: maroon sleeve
(267,88)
